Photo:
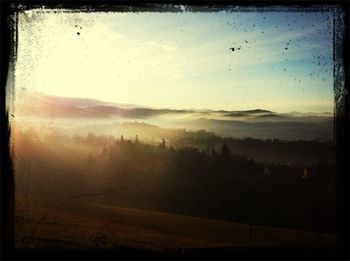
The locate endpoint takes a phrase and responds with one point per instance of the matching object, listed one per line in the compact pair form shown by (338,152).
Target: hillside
(84,225)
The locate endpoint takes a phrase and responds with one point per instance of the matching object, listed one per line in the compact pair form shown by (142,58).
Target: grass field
(78,225)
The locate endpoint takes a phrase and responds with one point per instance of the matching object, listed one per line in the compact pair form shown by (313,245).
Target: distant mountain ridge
(67,107)
(258,123)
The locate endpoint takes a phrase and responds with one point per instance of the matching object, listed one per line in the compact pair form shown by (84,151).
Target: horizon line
(176,108)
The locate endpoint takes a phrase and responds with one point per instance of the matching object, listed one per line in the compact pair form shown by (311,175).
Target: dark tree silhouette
(162,145)
(225,152)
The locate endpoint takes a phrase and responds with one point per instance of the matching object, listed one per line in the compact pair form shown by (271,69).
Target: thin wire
(61,203)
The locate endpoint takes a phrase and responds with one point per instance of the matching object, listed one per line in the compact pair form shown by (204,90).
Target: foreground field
(78,225)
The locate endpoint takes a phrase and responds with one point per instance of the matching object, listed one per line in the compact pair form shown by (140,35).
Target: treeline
(298,153)
(294,152)
(220,184)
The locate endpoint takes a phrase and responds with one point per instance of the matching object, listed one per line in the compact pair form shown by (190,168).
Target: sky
(282,60)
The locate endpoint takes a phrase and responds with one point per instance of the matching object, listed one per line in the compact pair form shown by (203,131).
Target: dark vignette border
(8,18)
(6,174)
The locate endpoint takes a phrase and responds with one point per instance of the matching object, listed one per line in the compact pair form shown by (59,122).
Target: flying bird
(232,49)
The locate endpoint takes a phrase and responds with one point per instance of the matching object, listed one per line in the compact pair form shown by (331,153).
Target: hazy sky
(282,60)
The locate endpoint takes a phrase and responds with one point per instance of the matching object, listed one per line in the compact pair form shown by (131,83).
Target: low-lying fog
(83,116)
